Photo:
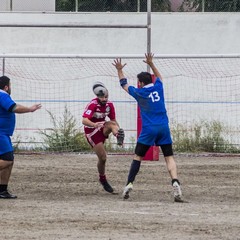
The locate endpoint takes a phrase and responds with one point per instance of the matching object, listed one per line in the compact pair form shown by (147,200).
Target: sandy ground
(59,197)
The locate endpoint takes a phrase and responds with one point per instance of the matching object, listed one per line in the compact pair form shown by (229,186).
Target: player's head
(5,84)
(144,78)
(101,92)
(103,98)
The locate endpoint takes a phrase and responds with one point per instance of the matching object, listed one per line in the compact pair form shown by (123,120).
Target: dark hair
(145,77)
(4,81)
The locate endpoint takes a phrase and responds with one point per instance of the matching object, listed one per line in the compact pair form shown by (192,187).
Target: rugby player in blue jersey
(8,108)
(155,128)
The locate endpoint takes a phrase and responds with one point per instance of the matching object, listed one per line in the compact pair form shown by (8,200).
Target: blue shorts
(155,135)
(5,144)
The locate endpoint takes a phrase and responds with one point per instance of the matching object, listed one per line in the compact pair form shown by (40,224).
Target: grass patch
(64,136)
(202,137)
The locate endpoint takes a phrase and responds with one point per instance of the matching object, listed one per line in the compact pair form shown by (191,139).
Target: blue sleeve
(158,81)
(132,91)
(6,101)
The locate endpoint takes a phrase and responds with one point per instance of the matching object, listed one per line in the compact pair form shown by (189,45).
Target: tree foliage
(112,5)
(157,5)
(211,5)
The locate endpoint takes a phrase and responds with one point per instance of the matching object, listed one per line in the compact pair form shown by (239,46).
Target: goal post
(201,95)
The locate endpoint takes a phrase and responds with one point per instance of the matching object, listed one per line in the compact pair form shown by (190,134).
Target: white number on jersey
(154,96)
(88,112)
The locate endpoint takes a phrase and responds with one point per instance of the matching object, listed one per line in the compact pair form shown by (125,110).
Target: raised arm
(149,61)
(119,66)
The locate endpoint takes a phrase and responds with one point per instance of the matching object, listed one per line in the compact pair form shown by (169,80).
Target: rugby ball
(99,89)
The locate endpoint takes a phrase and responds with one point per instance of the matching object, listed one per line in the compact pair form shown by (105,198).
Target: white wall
(4,5)
(172,33)
(27,5)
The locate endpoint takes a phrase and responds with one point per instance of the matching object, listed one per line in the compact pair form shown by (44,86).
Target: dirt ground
(59,197)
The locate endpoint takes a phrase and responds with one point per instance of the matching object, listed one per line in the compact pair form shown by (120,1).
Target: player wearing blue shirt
(155,128)
(8,108)
(151,101)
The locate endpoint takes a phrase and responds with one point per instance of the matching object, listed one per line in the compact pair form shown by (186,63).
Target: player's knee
(102,160)
(109,127)
(110,124)
(7,160)
(102,156)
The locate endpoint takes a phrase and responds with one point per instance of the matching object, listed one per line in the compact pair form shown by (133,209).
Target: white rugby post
(149,22)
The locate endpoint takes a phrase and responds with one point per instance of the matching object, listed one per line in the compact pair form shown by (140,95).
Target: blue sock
(134,169)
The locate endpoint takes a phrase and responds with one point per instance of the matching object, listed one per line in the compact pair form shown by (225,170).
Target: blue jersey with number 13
(150,99)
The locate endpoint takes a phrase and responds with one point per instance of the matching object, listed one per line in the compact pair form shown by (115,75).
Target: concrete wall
(4,5)
(172,33)
(27,5)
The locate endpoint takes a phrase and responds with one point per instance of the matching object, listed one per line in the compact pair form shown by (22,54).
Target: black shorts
(167,150)
(141,149)
(8,156)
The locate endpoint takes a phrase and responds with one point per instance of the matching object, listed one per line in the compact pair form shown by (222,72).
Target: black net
(141,5)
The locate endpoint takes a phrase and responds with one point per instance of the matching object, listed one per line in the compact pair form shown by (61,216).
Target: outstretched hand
(118,64)
(149,58)
(35,107)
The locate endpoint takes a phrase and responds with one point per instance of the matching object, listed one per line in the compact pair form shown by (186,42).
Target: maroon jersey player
(99,120)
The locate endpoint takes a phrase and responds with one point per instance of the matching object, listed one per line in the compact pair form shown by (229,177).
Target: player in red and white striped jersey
(97,128)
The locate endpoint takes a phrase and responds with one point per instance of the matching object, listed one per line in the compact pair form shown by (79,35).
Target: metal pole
(3,68)
(148,29)
(68,25)
(11,6)
(76,5)
(138,6)
(203,5)
(128,56)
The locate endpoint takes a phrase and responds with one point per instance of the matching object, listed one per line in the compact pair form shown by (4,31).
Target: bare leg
(5,171)
(118,132)
(99,149)
(109,127)
(101,165)
(5,164)
(172,169)
(5,174)
(171,166)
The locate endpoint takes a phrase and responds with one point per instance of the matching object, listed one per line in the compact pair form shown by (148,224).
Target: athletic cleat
(107,187)
(177,192)
(127,190)
(179,199)
(120,137)
(7,195)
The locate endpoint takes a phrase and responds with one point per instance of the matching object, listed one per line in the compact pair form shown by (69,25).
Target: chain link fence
(121,5)
(141,5)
